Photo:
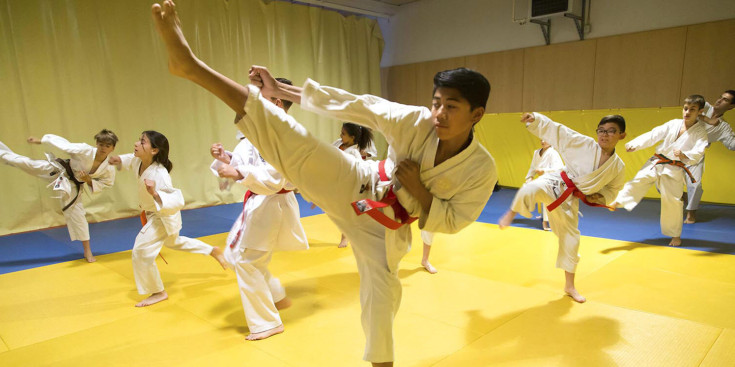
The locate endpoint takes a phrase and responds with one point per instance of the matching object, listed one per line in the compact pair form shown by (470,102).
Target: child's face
(347,139)
(608,135)
(453,117)
(143,148)
(104,149)
(690,112)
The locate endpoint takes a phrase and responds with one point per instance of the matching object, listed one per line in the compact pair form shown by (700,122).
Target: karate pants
(564,220)
(148,244)
(427,237)
(695,190)
(669,181)
(76,221)
(333,181)
(259,290)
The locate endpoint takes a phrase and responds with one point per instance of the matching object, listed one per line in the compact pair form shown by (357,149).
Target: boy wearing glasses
(682,143)
(594,173)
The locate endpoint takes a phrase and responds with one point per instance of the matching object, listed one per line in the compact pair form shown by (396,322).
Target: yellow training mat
(497,300)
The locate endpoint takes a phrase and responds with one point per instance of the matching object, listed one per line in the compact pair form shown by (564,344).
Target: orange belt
(143,221)
(572,190)
(245,198)
(370,207)
(662,159)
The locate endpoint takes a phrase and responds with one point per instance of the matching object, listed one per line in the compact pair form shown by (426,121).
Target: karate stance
(86,170)
(545,159)
(717,130)
(435,170)
(269,222)
(594,173)
(162,204)
(682,143)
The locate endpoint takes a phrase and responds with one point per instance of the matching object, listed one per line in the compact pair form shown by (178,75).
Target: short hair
(695,99)
(106,137)
(732,93)
(286,104)
(615,119)
(472,85)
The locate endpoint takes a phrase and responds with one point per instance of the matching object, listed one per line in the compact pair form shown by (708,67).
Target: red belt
(572,190)
(662,159)
(370,207)
(245,198)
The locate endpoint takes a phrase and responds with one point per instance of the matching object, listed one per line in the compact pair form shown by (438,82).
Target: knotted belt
(69,172)
(370,207)
(572,190)
(245,199)
(662,159)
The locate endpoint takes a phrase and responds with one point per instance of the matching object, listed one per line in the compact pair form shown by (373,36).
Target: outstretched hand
(115,161)
(528,118)
(260,77)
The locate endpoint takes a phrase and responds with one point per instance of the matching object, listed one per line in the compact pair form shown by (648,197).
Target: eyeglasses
(606,132)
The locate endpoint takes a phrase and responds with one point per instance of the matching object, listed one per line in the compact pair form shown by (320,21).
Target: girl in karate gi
(435,171)
(545,159)
(86,170)
(354,141)
(162,204)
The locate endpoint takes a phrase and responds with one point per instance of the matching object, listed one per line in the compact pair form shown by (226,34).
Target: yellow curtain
(74,67)
(512,146)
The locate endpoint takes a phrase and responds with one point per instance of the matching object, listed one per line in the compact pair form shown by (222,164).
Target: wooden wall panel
(425,77)
(640,69)
(504,71)
(559,77)
(401,84)
(709,60)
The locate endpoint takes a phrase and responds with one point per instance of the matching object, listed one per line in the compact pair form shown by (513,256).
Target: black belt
(69,172)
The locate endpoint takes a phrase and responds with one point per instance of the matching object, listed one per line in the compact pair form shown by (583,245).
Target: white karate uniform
(461,186)
(81,159)
(549,162)
(582,156)
(269,222)
(669,179)
(162,228)
(721,132)
(427,237)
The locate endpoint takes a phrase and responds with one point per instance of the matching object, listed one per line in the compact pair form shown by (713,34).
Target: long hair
(363,136)
(159,142)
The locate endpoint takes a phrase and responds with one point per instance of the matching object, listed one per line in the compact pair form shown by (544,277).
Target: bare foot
(343,242)
(219,256)
(153,299)
(506,219)
(88,252)
(690,217)
(545,225)
(675,241)
(90,258)
(283,304)
(572,292)
(265,334)
(427,265)
(180,57)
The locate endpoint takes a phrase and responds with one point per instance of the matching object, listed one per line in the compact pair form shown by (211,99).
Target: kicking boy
(435,170)
(269,222)
(87,166)
(682,143)
(717,130)
(593,173)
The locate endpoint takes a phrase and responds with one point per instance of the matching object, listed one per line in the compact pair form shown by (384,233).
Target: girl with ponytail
(161,205)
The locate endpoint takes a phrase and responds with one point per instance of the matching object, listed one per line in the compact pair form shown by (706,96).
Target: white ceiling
(375,8)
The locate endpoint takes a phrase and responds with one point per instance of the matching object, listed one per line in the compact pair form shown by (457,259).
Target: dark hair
(286,104)
(363,136)
(471,85)
(159,142)
(615,119)
(732,93)
(695,99)
(106,137)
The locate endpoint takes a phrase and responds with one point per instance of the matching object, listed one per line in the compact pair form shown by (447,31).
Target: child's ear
(622,135)
(154,151)
(477,114)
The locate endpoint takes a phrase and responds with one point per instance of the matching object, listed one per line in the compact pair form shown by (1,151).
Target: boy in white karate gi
(545,159)
(682,143)
(86,170)
(717,130)
(594,173)
(435,170)
(269,222)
